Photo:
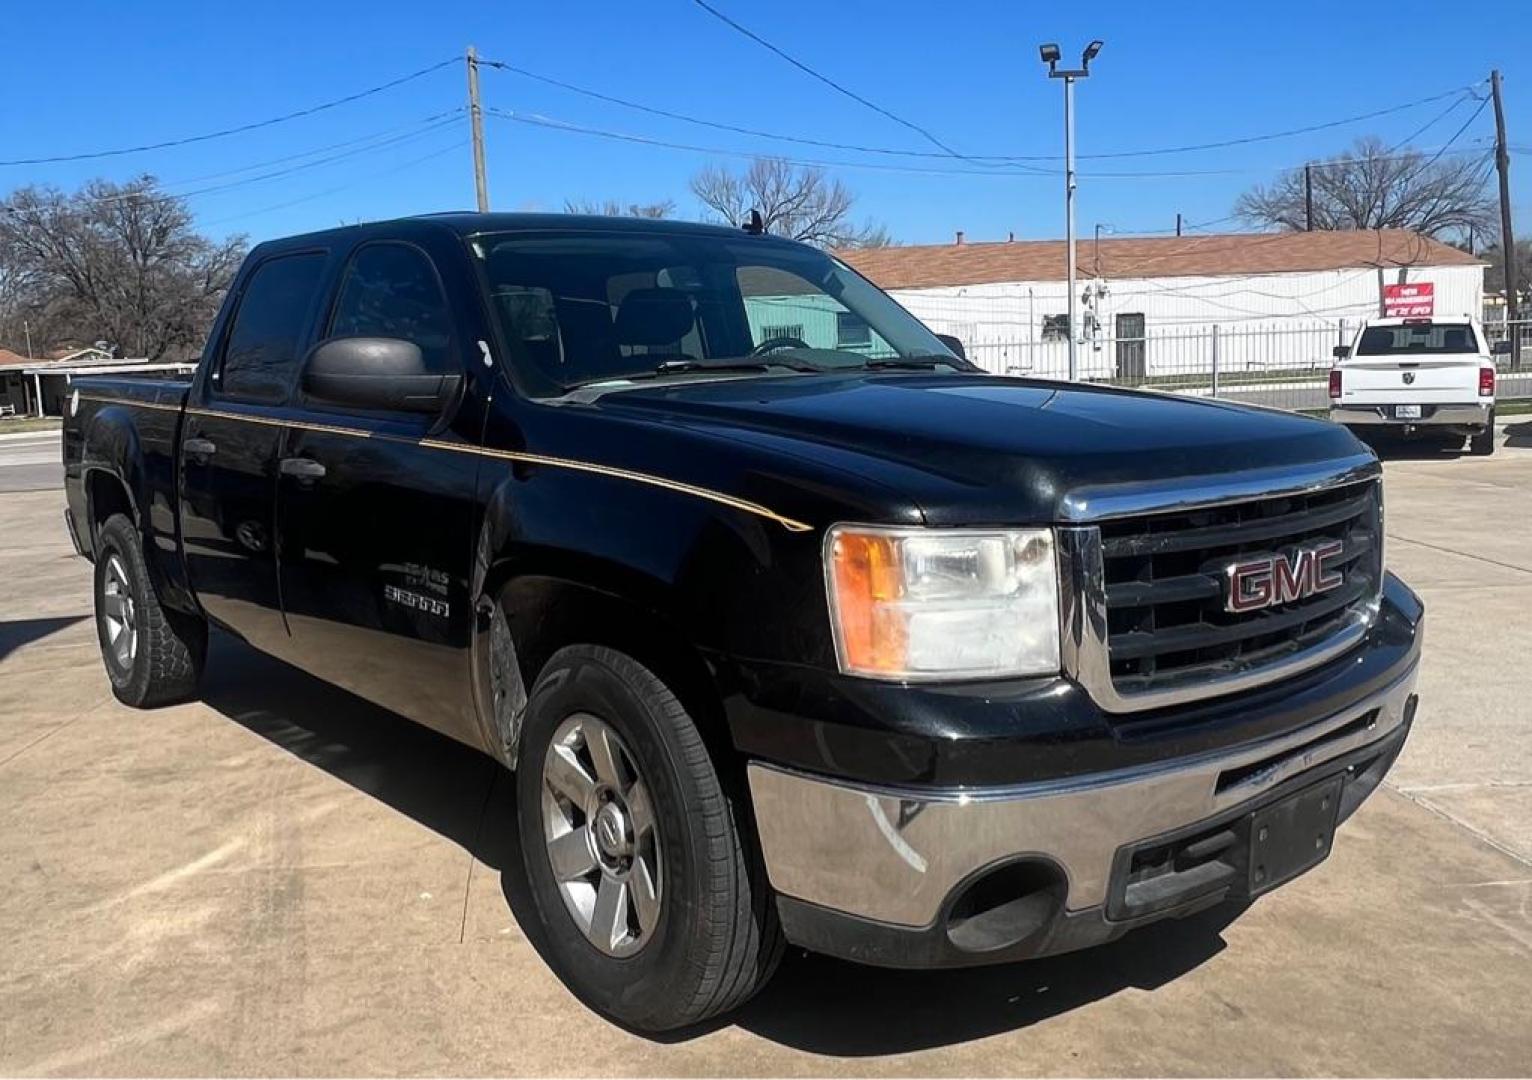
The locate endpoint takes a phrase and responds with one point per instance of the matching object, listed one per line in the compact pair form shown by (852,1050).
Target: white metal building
(1169,306)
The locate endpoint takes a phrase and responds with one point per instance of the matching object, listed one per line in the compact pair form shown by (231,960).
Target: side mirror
(1501,348)
(1340,352)
(376,373)
(954,345)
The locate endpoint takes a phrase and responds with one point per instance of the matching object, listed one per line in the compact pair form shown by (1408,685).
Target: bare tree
(1371,187)
(1494,273)
(612,208)
(796,202)
(119,263)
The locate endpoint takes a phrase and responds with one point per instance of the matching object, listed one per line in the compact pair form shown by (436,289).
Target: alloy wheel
(119,616)
(602,838)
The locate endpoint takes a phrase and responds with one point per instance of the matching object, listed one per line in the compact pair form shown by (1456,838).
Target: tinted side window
(391,290)
(262,346)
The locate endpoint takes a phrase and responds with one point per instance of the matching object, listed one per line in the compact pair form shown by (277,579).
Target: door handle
(199,447)
(302,468)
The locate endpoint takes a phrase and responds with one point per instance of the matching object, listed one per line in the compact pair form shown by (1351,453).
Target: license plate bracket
(1293,835)
(1406,412)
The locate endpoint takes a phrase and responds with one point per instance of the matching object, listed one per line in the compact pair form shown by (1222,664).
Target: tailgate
(1386,380)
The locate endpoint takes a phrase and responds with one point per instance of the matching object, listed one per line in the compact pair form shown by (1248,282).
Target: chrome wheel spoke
(571,855)
(598,740)
(113,605)
(565,775)
(646,898)
(640,813)
(609,922)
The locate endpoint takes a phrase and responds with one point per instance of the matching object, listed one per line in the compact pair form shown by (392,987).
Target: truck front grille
(1166,579)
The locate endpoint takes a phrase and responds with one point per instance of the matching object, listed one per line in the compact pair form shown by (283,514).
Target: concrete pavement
(30,461)
(280,878)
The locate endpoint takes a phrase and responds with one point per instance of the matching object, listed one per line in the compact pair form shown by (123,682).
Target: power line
(757,133)
(242,128)
(987,159)
(1429,124)
(374,142)
(1246,140)
(831,83)
(456,144)
(539,120)
(1455,136)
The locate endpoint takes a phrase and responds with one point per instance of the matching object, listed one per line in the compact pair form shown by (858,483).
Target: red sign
(1407,301)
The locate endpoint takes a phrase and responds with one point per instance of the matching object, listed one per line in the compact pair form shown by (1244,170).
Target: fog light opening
(1005,906)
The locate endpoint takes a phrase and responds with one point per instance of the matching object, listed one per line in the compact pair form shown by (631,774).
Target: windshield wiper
(911,363)
(671,367)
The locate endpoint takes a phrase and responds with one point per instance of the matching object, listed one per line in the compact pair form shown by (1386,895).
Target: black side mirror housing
(387,374)
(1501,348)
(954,345)
(1340,352)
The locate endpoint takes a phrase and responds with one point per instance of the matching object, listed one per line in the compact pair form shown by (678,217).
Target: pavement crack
(473,854)
(1463,554)
(45,736)
(1473,830)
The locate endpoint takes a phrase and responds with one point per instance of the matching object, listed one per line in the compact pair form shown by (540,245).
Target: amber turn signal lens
(866,574)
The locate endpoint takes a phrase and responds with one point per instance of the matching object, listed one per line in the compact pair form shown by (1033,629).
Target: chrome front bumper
(897,856)
(1431,416)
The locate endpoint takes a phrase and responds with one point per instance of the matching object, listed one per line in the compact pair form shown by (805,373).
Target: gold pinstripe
(790,524)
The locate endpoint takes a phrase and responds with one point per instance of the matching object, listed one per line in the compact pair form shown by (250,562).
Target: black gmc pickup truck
(792,624)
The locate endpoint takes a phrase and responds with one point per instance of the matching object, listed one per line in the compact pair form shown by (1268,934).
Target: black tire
(716,939)
(166,660)
(1483,443)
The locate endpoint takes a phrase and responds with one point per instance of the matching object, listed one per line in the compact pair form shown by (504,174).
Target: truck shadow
(814,1003)
(1423,448)
(1519,434)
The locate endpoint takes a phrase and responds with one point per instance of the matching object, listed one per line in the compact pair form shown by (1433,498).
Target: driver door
(377,527)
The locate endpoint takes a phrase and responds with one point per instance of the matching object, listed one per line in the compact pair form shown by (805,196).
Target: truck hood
(970,449)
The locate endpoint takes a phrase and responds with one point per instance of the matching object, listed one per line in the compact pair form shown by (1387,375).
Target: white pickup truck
(1418,376)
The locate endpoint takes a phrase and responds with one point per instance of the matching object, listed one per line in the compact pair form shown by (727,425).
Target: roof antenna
(755,225)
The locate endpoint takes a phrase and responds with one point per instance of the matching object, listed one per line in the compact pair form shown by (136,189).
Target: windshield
(1413,339)
(584,307)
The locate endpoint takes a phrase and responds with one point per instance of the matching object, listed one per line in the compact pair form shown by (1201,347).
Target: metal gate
(1132,361)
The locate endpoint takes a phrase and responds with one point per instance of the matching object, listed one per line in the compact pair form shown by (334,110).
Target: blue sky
(1170,74)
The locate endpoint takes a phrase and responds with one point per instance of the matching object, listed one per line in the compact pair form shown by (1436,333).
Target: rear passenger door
(229,446)
(376,526)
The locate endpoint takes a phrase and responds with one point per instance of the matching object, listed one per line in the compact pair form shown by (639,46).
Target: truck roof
(1416,320)
(468,223)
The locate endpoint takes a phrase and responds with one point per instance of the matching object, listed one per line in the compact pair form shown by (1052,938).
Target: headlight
(943,603)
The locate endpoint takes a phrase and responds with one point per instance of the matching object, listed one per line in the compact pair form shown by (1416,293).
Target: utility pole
(27,329)
(1050,55)
(1507,238)
(1308,198)
(1178,224)
(476,120)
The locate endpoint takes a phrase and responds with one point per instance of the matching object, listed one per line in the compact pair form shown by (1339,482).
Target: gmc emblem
(1268,580)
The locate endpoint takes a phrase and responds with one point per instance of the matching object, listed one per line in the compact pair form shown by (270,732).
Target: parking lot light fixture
(1050,55)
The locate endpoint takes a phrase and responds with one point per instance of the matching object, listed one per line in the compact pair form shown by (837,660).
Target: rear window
(1413,339)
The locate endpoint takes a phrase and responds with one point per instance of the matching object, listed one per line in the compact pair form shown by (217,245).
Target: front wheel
(637,858)
(153,655)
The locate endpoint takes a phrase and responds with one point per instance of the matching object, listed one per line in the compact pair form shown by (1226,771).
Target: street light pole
(1069,222)
(1050,56)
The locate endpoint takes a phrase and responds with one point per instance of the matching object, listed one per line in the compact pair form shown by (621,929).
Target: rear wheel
(153,655)
(1483,443)
(639,862)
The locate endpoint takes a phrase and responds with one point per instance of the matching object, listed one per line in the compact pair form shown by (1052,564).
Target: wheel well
(106,495)
(547,614)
